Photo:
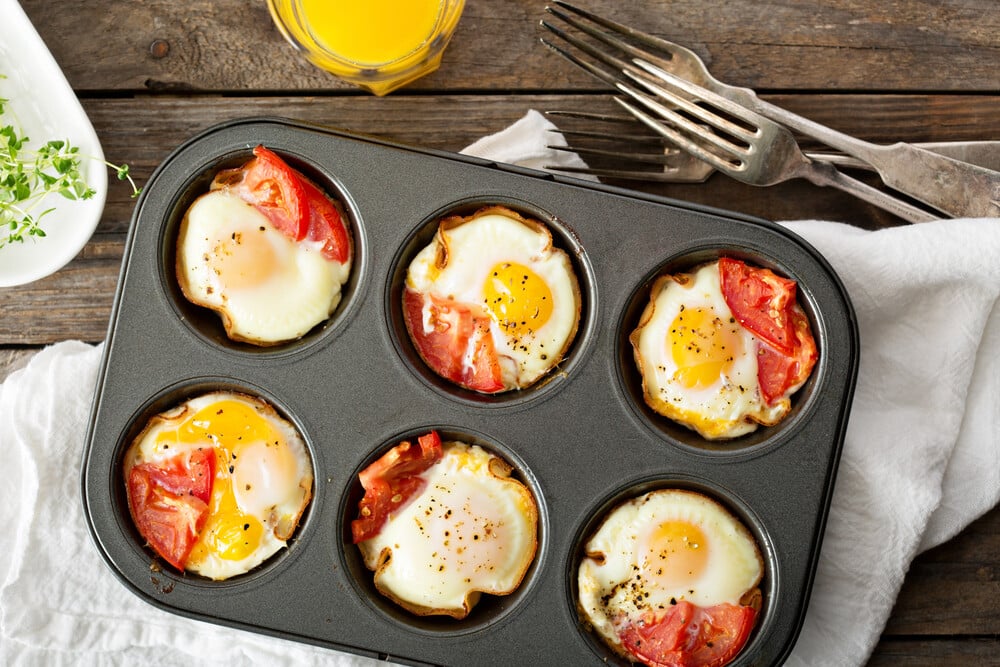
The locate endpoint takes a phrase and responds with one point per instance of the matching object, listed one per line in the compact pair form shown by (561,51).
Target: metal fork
(954,187)
(623,152)
(636,153)
(741,143)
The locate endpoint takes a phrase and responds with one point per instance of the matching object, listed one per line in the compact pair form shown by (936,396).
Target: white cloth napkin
(921,459)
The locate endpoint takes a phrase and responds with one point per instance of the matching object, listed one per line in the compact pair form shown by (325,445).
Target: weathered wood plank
(162,45)
(937,652)
(954,588)
(12,359)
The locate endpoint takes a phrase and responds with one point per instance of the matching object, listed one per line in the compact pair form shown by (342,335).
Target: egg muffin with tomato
(722,349)
(491,304)
(217,484)
(266,249)
(443,522)
(671,577)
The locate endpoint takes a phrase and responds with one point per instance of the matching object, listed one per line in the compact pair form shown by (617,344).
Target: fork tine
(709,116)
(632,156)
(617,138)
(700,92)
(669,49)
(666,175)
(590,115)
(667,54)
(604,37)
(636,131)
(676,137)
(598,55)
(648,157)
(680,122)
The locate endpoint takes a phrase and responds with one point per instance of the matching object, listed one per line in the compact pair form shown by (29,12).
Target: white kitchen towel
(920,461)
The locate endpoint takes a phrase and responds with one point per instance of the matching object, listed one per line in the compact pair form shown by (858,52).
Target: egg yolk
(703,346)
(225,425)
(674,554)
(518,298)
(229,533)
(243,259)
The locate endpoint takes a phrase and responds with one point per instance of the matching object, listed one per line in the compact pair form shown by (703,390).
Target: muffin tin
(582,439)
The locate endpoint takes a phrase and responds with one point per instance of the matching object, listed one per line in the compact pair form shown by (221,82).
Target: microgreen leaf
(27,175)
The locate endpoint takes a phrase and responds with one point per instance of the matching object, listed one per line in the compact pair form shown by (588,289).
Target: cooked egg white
(505,266)
(660,548)
(263,477)
(471,530)
(698,363)
(266,287)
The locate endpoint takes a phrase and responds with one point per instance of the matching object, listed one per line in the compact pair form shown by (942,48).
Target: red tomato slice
(760,300)
(169,502)
(325,224)
(391,481)
(454,330)
(273,188)
(764,303)
(777,372)
(690,636)
(191,474)
(293,203)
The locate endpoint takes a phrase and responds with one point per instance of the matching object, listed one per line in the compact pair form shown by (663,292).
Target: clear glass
(379,45)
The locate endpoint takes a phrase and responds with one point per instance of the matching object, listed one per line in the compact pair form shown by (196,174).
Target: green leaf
(28,174)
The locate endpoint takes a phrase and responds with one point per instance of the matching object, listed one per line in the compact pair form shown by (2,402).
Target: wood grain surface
(152,73)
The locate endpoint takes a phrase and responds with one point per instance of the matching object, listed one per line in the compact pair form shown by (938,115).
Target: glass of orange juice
(379,45)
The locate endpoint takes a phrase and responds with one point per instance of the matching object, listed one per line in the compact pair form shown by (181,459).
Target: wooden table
(151,73)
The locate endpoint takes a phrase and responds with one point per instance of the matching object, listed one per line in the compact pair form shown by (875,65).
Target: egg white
(266,287)
(471,530)
(730,406)
(458,265)
(628,569)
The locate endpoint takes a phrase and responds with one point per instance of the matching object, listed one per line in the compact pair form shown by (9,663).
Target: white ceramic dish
(45,108)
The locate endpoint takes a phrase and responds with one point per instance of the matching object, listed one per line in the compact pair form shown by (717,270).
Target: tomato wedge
(689,636)
(760,300)
(391,481)
(186,474)
(777,372)
(169,502)
(325,224)
(273,188)
(453,340)
(293,203)
(764,303)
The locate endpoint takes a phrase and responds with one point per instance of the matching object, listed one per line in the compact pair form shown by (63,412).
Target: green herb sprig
(28,175)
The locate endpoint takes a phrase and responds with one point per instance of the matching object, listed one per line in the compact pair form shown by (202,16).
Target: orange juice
(378,44)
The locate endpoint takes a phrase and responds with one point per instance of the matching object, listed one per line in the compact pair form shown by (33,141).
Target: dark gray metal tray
(582,440)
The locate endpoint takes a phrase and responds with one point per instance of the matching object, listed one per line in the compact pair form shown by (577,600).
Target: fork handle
(824,173)
(954,187)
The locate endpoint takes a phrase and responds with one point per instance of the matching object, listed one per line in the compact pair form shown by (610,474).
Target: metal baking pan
(354,386)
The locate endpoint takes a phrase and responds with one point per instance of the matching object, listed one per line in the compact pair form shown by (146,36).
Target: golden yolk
(243,259)
(224,425)
(676,553)
(518,298)
(703,346)
(228,533)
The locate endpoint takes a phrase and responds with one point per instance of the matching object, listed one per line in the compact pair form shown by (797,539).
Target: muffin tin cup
(491,610)
(354,387)
(726,499)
